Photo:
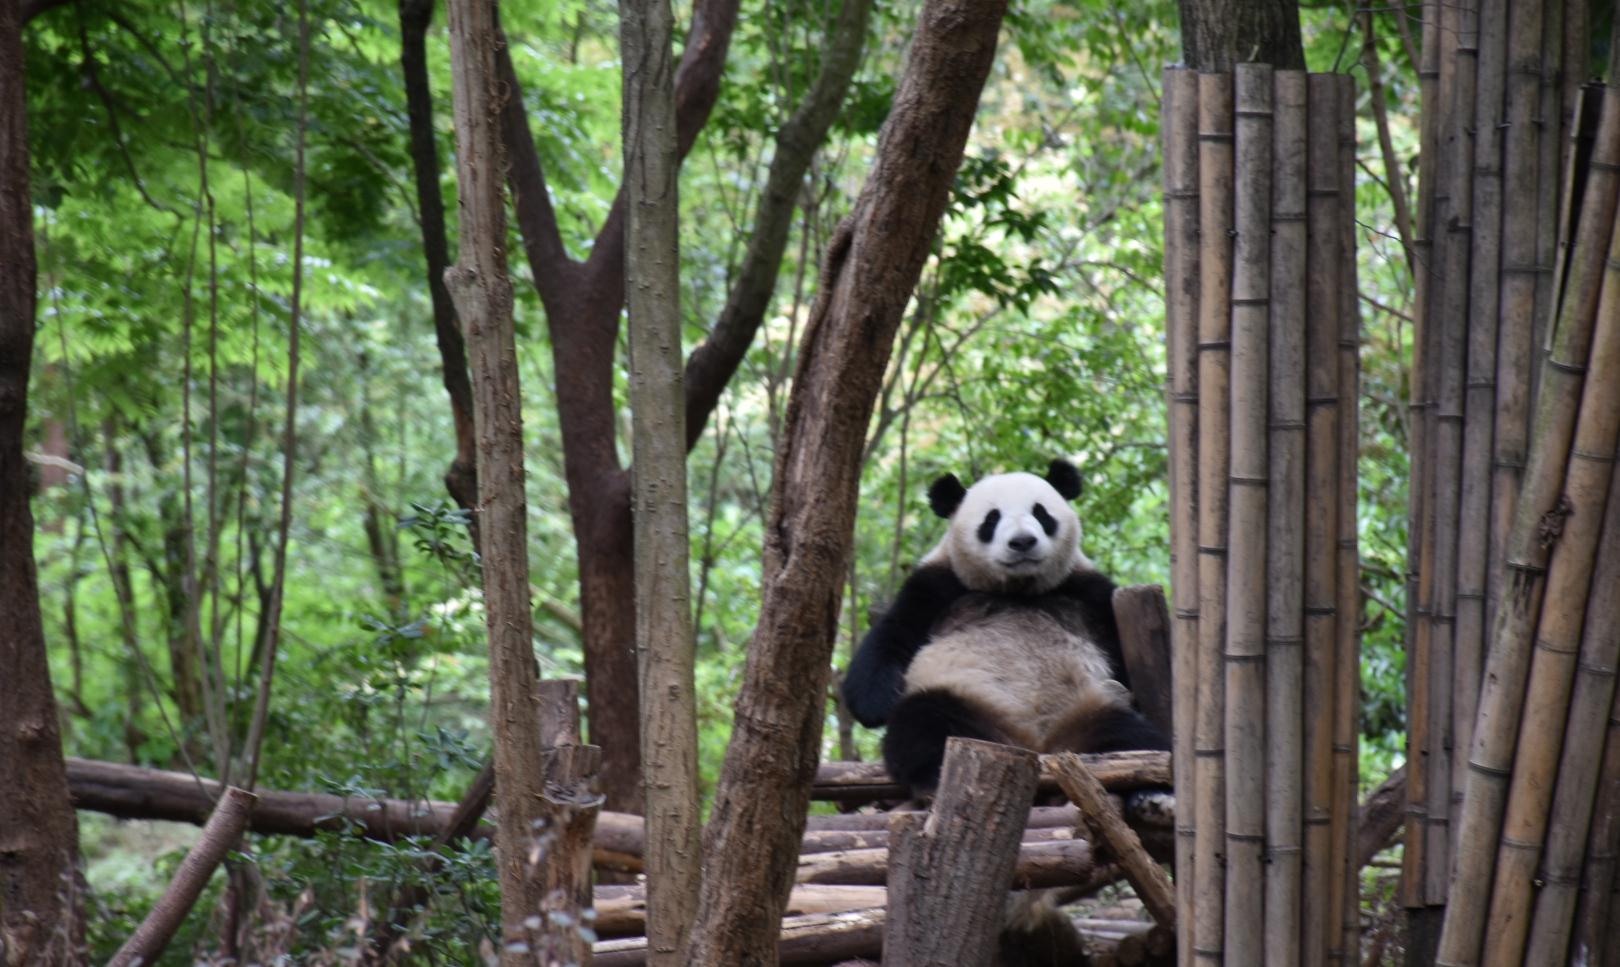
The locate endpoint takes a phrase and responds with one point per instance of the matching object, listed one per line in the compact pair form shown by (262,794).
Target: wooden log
(1324,225)
(1182,281)
(561,853)
(134,792)
(950,870)
(1538,528)
(1153,816)
(816,938)
(621,909)
(1589,707)
(1285,534)
(866,781)
(1247,478)
(220,834)
(1108,827)
(1043,862)
(1214,360)
(1144,635)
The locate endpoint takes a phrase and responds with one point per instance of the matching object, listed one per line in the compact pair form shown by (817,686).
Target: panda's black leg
(1105,727)
(914,745)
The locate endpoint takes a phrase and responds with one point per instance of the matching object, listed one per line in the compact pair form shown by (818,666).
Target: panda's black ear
(1064,478)
(945,495)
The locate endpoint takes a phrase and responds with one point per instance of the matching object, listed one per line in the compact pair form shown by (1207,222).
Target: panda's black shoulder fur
(877,676)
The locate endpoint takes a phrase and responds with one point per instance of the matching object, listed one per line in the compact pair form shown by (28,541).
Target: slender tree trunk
(461,479)
(482,291)
(39,909)
(662,547)
(1217,34)
(871,267)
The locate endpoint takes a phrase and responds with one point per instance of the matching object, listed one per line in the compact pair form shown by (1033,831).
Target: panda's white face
(1013,532)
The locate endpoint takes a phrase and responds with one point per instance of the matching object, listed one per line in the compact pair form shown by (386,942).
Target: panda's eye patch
(1048,522)
(987,530)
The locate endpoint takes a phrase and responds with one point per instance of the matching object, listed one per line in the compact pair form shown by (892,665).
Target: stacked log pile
(1259,200)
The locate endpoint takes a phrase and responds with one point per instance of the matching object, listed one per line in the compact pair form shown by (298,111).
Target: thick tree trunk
(662,547)
(461,479)
(482,291)
(39,915)
(1217,34)
(871,267)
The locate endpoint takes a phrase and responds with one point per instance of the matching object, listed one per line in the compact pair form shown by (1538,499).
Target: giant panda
(1005,632)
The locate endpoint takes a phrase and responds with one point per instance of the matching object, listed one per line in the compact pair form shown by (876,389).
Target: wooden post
(1144,635)
(1182,282)
(950,868)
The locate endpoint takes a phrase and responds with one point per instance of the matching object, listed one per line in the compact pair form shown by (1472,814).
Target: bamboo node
(1521,845)
(1489,772)
(1543,644)
(1573,369)
(1242,659)
(1551,527)
(1592,456)
(1597,668)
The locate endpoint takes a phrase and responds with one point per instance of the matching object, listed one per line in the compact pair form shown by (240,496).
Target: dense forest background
(168,218)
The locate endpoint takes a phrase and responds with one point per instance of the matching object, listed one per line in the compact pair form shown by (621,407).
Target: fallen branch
(223,831)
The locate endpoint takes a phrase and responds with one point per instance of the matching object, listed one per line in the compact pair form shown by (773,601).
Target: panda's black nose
(1021,542)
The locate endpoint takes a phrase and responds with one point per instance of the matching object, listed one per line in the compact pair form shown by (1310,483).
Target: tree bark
(461,479)
(662,546)
(871,267)
(582,300)
(219,836)
(951,867)
(39,906)
(1218,34)
(482,291)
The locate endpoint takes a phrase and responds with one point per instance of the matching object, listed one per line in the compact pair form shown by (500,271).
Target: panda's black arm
(877,676)
(1095,593)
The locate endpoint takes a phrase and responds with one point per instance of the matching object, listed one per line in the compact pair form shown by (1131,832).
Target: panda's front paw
(1150,807)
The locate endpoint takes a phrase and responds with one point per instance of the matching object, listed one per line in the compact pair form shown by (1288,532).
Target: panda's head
(1013,532)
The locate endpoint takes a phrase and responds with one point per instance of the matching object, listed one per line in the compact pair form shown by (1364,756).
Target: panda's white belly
(1024,666)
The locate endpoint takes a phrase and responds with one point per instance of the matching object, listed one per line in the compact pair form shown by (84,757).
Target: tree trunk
(871,267)
(461,479)
(1217,34)
(39,909)
(662,547)
(482,291)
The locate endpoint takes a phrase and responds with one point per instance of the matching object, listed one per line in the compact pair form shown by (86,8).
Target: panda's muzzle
(1022,543)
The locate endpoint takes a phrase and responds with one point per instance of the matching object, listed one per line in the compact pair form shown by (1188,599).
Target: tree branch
(223,831)
(715,360)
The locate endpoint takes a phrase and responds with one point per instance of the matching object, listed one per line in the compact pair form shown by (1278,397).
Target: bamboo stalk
(1515,339)
(1446,448)
(1589,721)
(1418,740)
(1214,360)
(1246,561)
(1472,532)
(1558,635)
(1347,685)
(1595,900)
(1536,523)
(1285,539)
(1551,186)
(1181,311)
(1322,232)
